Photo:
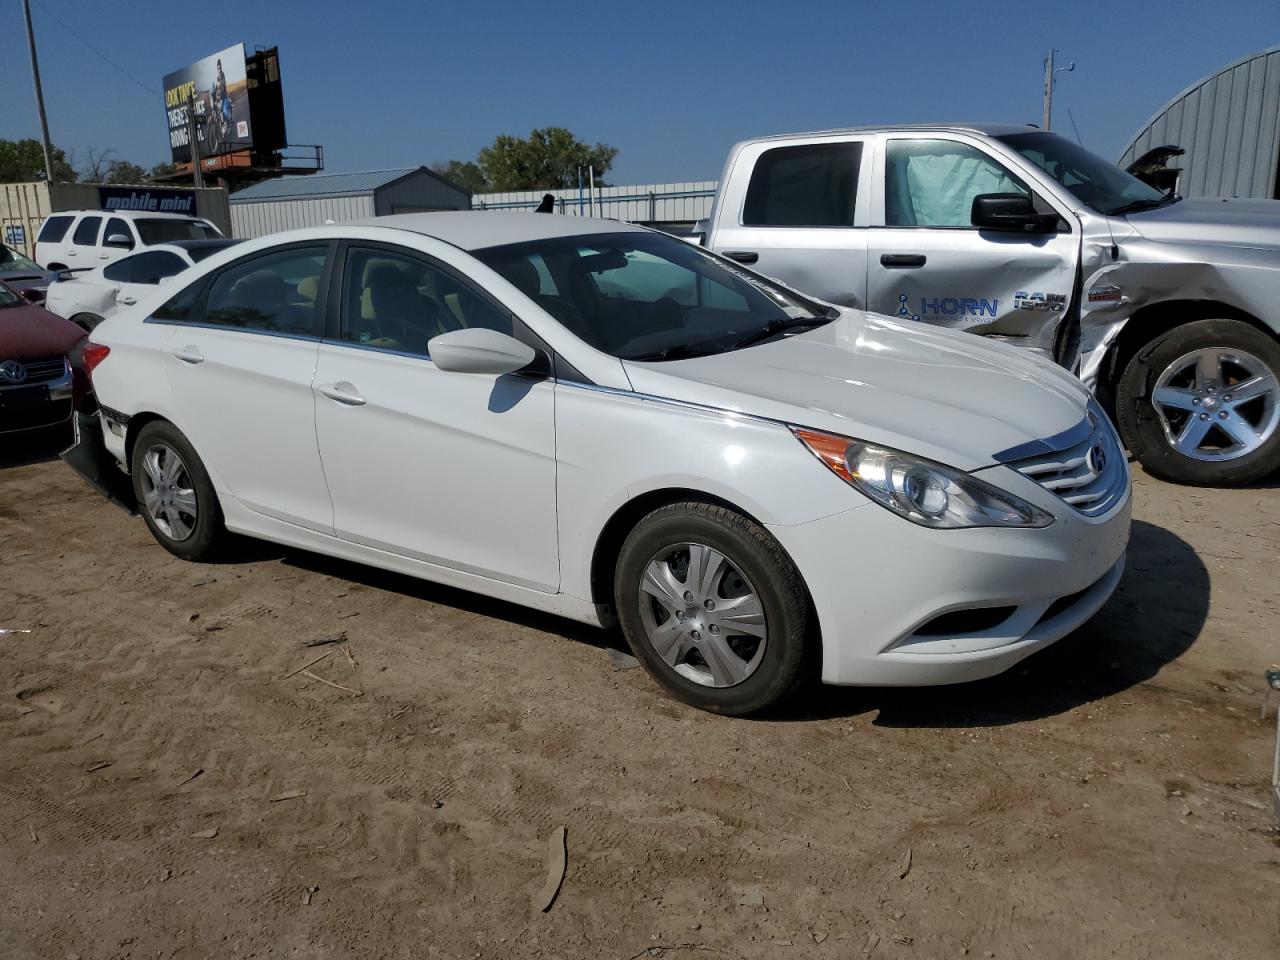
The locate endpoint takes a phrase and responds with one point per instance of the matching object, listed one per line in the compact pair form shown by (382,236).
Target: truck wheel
(1201,404)
(714,609)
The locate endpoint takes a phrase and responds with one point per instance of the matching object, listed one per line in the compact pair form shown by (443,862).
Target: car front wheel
(714,609)
(177,497)
(1201,404)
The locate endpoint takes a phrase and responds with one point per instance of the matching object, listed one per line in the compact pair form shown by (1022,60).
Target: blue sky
(388,83)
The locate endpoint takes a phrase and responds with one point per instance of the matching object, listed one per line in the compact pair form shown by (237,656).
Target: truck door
(800,216)
(928,262)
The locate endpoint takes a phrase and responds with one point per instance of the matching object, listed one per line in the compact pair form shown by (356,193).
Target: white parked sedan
(90,297)
(594,419)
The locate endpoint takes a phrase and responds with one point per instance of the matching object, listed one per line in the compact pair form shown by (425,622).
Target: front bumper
(884,589)
(37,406)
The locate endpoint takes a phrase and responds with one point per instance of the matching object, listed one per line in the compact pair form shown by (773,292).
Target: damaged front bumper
(89,457)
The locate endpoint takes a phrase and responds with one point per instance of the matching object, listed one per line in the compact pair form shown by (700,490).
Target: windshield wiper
(1136,205)
(679,351)
(775,327)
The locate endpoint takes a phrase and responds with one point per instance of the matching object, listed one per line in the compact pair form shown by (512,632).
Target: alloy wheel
(168,492)
(702,615)
(1217,403)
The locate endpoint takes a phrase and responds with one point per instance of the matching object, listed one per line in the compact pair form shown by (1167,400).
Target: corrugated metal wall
(23,207)
(1229,124)
(637,203)
(249,219)
(419,193)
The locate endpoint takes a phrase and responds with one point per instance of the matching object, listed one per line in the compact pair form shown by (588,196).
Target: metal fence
(653,203)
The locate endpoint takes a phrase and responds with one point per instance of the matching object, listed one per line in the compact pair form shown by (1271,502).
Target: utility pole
(193,141)
(1049,76)
(35,76)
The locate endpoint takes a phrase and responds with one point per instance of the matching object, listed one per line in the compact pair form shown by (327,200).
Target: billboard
(216,86)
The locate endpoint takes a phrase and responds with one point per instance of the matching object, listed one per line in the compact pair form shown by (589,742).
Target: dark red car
(41,380)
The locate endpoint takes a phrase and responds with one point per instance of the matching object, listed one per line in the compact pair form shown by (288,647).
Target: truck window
(932,183)
(86,234)
(54,229)
(812,185)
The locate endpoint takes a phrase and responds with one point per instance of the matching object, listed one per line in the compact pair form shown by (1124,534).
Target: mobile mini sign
(148,200)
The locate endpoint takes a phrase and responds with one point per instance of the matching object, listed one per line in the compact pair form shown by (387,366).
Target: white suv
(84,239)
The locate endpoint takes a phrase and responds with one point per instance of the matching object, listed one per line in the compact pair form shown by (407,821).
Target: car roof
(477,229)
(131,214)
(189,245)
(985,129)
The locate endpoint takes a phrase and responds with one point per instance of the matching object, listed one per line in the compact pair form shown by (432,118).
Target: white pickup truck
(1166,307)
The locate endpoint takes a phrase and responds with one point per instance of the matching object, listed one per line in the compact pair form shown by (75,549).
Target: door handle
(742,256)
(104,256)
(188,354)
(902,259)
(343,392)
(127,300)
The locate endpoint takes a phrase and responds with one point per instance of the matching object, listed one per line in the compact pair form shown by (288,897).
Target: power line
(151,92)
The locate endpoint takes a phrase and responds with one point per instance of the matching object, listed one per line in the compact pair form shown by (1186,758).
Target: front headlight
(920,490)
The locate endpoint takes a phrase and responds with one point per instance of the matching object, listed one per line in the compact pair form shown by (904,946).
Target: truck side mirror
(1012,212)
(120,240)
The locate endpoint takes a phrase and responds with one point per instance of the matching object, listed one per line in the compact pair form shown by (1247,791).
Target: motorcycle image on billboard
(215,87)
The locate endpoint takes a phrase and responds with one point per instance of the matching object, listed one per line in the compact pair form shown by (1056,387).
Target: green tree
(23,160)
(548,159)
(162,170)
(122,171)
(464,173)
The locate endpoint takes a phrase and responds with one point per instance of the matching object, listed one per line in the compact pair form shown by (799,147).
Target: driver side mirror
(479,350)
(31,295)
(1011,212)
(120,240)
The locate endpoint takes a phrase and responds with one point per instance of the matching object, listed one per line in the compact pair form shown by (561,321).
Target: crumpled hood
(949,396)
(33,333)
(1246,223)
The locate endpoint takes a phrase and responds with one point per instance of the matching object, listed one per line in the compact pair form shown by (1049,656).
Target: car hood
(949,396)
(21,279)
(32,333)
(1245,223)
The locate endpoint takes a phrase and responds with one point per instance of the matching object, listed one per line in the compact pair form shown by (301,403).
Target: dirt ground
(172,786)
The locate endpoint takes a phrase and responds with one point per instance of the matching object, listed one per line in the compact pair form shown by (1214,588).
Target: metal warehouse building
(290,202)
(1229,125)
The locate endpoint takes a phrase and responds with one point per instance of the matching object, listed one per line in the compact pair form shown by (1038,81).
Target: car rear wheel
(714,609)
(86,321)
(1201,404)
(177,497)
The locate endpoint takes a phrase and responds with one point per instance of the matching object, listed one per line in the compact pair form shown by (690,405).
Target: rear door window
(154,266)
(86,234)
(810,185)
(121,271)
(269,293)
(54,229)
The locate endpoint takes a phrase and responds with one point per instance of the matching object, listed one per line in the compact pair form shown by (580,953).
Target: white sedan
(90,297)
(598,420)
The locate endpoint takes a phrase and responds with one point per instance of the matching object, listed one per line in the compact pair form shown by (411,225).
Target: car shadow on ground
(441,594)
(1155,615)
(38,446)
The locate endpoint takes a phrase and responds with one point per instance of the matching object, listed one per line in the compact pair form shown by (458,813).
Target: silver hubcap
(702,615)
(167,492)
(1217,403)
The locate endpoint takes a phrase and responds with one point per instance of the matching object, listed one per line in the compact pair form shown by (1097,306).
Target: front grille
(1090,474)
(38,371)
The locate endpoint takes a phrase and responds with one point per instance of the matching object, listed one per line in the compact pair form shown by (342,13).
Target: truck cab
(1019,235)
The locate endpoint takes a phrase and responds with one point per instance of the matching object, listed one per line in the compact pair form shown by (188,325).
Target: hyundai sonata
(601,421)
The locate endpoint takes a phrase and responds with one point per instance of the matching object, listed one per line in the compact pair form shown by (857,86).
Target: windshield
(11,259)
(1093,181)
(166,231)
(647,295)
